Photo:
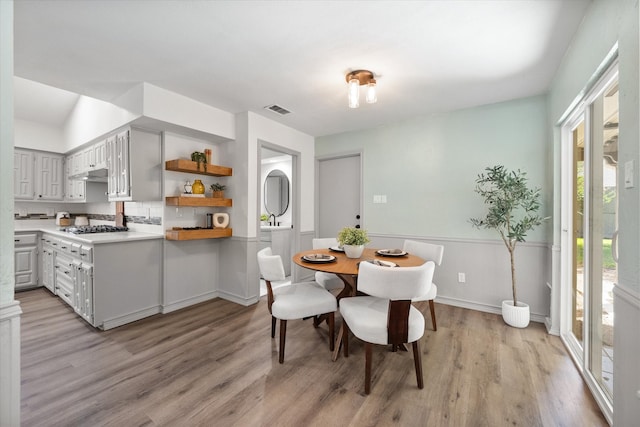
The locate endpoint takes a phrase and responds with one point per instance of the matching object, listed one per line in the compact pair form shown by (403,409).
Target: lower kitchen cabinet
(107,284)
(26,260)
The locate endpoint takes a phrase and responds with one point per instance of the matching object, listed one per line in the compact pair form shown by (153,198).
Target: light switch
(383,198)
(628,174)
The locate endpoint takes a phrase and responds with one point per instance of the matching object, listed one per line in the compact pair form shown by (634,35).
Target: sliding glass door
(591,220)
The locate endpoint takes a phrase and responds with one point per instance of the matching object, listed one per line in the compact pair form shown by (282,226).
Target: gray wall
(427,168)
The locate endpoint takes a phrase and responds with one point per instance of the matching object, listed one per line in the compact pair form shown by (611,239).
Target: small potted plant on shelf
(353,239)
(218,190)
(264,218)
(200,158)
(512,211)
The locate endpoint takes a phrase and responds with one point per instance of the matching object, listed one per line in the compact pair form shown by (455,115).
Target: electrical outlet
(461,278)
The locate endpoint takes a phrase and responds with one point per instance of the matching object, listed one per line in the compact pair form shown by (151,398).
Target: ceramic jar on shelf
(197,187)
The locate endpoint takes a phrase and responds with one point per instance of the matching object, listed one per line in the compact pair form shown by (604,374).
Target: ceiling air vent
(277,109)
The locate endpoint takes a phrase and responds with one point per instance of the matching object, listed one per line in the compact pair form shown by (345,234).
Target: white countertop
(94,239)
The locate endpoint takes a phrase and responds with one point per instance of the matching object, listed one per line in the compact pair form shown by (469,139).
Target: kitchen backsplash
(135,212)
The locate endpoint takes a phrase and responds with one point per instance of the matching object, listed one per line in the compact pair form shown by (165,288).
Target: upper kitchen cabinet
(38,175)
(134,161)
(23,174)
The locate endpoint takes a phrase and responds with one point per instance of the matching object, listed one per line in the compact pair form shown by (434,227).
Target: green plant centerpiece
(353,239)
(200,158)
(512,210)
(264,217)
(218,189)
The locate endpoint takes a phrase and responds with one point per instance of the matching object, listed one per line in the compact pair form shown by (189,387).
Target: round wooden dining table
(347,269)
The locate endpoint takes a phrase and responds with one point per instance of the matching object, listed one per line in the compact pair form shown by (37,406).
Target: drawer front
(65,246)
(25,239)
(64,289)
(64,268)
(86,253)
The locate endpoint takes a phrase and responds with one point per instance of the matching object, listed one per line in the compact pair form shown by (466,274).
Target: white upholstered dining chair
(428,252)
(327,280)
(386,315)
(295,301)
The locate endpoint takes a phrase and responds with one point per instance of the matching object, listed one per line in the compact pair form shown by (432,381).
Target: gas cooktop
(86,229)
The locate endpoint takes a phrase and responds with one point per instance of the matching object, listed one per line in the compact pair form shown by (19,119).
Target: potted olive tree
(353,240)
(512,211)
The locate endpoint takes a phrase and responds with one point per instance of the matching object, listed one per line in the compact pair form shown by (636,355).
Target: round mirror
(276,193)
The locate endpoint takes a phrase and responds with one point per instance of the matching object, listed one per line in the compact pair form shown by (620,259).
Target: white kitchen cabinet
(83,291)
(81,191)
(49,184)
(38,175)
(23,174)
(99,155)
(107,284)
(47,266)
(26,260)
(135,165)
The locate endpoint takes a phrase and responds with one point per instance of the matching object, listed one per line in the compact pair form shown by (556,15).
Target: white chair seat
(329,281)
(300,300)
(367,318)
(433,292)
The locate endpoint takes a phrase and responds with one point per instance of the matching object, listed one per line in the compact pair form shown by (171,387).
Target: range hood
(96,175)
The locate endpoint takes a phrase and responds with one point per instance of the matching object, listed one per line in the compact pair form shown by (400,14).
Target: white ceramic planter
(517,316)
(352,251)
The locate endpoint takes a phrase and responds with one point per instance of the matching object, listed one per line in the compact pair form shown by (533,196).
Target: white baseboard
(237,299)
(178,305)
(486,308)
(131,317)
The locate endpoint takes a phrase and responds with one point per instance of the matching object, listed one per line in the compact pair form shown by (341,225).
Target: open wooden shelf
(184,165)
(203,233)
(198,201)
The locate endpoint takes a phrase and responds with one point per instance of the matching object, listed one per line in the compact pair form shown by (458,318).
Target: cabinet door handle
(16,240)
(74,252)
(63,247)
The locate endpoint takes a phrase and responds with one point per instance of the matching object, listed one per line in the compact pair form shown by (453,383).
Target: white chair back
(324,242)
(270,265)
(395,283)
(426,251)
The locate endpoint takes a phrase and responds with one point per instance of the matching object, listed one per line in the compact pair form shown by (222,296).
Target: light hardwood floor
(215,364)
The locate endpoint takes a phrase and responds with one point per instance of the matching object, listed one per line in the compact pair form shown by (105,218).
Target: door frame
(295,192)
(581,355)
(341,155)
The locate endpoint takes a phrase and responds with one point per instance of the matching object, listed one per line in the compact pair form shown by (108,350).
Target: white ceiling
(428,56)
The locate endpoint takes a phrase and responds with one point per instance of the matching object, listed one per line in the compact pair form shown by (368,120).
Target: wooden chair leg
(417,358)
(345,338)
(332,321)
(367,367)
(273,327)
(432,309)
(283,333)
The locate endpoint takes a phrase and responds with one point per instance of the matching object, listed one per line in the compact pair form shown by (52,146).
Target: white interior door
(339,194)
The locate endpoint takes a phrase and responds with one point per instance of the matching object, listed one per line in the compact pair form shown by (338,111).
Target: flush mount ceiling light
(358,78)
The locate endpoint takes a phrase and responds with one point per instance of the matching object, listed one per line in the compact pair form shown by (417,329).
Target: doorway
(590,216)
(277,202)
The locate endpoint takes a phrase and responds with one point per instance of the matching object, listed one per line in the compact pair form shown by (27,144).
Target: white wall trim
(432,239)
(486,308)
(186,302)
(10,363)
(129,318)
(238,299)
(627,294)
